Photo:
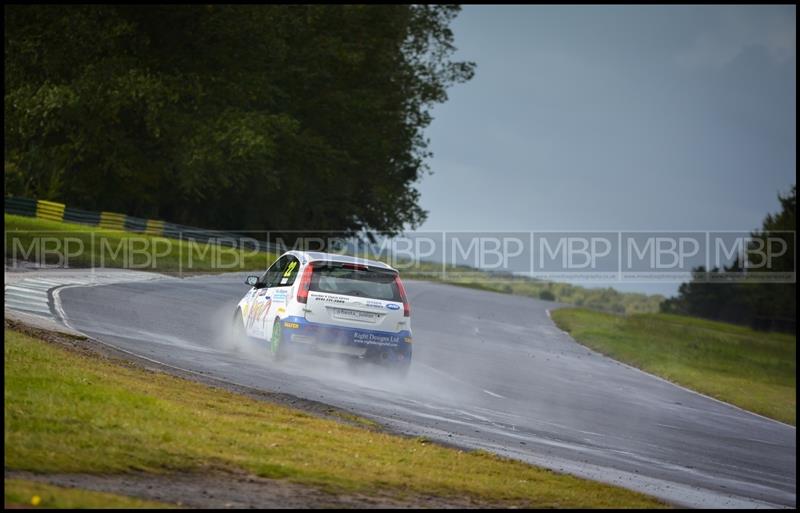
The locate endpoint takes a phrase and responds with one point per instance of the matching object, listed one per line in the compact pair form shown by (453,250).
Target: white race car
(330,303)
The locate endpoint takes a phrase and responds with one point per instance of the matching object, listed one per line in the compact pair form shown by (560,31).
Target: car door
(271,299)
(279,292)
(261,301)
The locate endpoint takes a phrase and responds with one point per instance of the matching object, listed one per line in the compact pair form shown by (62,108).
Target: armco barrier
(154,227)
(135,224)
(50,210)
(76,215)
(111,220)
(20,206)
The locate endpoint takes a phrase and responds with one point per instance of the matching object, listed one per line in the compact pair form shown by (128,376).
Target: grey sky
(616,117)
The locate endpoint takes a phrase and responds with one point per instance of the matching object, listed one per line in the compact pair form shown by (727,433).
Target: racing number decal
(287,274)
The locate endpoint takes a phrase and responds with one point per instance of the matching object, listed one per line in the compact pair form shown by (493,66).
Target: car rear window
(350,280)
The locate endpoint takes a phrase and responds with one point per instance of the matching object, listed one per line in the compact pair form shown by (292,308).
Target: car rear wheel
(277,347)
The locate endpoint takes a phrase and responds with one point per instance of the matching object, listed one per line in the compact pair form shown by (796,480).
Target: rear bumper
(297,330)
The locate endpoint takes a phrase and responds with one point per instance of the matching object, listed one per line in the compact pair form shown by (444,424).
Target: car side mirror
(251,280)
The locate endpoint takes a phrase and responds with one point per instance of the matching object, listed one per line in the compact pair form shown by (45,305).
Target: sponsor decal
(259,312)
(392,306)
(264,309)
(329,299)
(376,339)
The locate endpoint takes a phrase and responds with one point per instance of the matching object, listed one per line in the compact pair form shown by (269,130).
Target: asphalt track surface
(490,371)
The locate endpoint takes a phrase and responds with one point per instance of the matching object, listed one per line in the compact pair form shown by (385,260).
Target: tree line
(247,117)
(766,306)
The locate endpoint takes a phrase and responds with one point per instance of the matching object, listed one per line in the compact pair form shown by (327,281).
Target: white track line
(437,371)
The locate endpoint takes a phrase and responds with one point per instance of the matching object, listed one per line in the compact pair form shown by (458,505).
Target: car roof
(313,256)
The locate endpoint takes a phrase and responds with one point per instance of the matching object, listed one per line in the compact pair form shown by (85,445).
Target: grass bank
(76,413)
(751,369)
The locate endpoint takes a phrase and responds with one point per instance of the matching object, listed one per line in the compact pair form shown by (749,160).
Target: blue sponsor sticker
(392,306)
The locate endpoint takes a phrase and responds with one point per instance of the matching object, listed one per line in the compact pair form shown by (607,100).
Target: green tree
(762,305)
(268,117)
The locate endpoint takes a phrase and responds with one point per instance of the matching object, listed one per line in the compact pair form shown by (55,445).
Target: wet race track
(490,371)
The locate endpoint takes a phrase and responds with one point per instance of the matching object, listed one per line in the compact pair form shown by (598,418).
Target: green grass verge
(54,242)
(21,492)
(751,369)
(68,412)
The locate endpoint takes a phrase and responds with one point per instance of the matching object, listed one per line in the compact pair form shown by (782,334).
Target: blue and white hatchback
(329,303)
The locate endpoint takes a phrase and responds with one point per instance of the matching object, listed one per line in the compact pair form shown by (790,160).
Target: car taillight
(305,284)
(402,289)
